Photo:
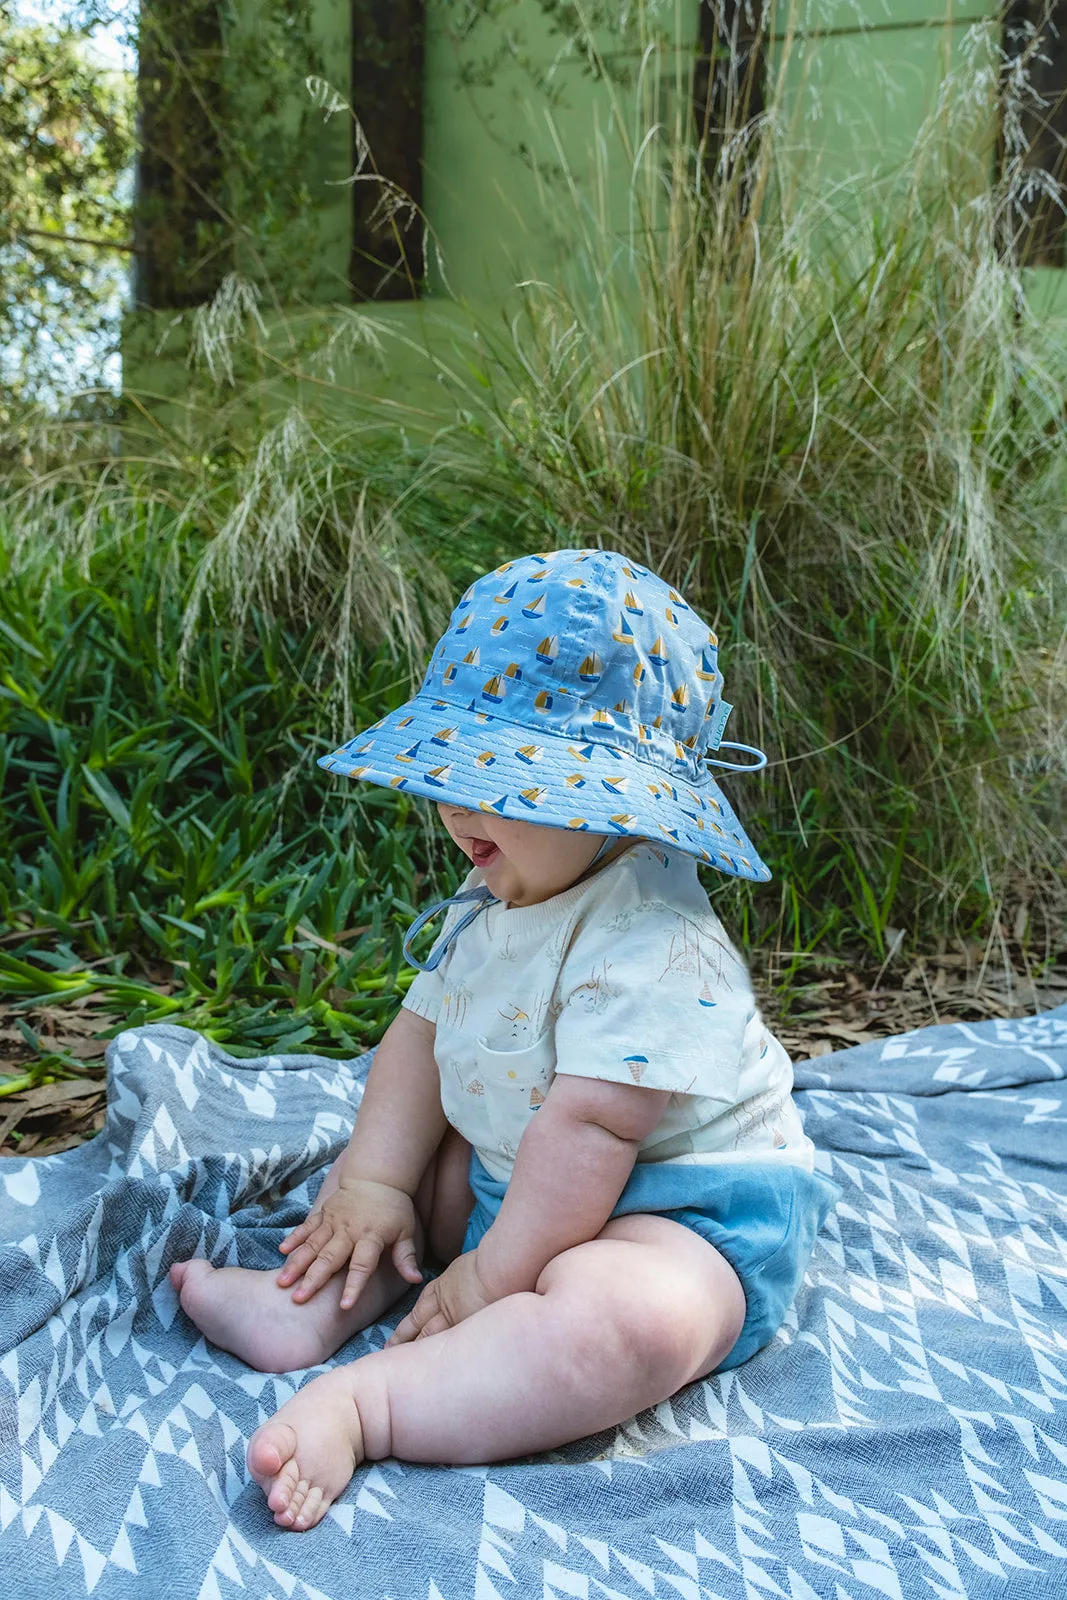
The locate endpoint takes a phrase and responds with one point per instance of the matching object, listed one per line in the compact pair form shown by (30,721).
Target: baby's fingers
(303,1231)
(422,1312)
(330,1257)
(406,1261)
(365,1258)
(297,1264)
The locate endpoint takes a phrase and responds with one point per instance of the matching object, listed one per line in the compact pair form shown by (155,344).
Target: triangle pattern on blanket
(903,1434)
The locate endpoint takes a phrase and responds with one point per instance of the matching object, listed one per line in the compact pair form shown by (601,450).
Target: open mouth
(482,852)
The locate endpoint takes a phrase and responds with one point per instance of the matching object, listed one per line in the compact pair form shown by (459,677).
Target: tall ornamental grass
(824,411)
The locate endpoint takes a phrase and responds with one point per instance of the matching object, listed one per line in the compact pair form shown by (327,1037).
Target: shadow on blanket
(904,1435)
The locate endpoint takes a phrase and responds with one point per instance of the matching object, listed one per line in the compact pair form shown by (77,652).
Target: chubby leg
(612,1326)
(249,1314)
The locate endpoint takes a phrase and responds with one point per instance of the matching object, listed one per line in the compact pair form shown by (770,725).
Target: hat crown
(587,644)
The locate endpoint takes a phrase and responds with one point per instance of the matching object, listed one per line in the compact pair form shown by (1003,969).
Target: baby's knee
(653,1318)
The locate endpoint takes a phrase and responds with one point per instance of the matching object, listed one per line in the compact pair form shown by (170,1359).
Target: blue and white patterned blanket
(905,1435)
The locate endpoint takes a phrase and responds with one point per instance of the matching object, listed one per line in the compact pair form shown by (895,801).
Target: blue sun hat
(573,689)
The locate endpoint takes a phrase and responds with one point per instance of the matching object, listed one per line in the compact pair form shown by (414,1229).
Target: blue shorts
(762,1218)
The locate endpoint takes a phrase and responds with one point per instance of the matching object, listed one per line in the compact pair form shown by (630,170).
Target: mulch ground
(826,1005)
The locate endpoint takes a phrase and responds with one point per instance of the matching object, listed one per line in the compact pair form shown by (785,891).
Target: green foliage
(829,418)
(167,842)
(66,143)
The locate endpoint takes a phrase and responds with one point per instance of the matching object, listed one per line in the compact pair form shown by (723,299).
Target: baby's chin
(500,876)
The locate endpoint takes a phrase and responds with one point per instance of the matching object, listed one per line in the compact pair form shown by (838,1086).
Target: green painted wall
(858,95)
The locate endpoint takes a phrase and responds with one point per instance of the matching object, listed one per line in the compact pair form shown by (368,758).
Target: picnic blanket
(904,1435)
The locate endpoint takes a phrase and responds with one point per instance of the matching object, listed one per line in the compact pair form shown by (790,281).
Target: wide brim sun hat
(576,690)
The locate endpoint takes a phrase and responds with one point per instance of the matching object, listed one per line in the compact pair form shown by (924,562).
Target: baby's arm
(399,1126)
(570,1168)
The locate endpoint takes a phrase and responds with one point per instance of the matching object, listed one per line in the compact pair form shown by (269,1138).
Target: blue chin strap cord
(482,897)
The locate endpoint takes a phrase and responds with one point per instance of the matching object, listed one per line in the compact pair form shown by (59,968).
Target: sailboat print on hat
(639,672)
(623,820)
(464,624)
(499,625)
(410,753)
(706,996)
(673,595)
(680,698)
(670,616)
(658,655)
(707,671)
(493,689)
(451,672)
(574,780)
(438,776)
(505,598)
(634,571)
(632,604)
(473,658)
(544,701)
(535,610)
(580,824)
(603,718)
(591,668)
(530,752)
(581,752)
(548,649)
(624,634)
(496,805)
(485,758)
(532,797)
(616,785)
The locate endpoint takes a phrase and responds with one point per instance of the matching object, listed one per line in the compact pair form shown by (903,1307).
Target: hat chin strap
(482,896)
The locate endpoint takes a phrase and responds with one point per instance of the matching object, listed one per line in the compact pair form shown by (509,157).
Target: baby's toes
(272,1450)
(312,1509)
(286,1494)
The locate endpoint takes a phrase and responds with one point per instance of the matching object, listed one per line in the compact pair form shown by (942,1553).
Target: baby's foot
(246,1313)
(303,1458)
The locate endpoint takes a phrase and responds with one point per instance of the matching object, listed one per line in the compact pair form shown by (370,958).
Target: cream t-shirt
(627,977)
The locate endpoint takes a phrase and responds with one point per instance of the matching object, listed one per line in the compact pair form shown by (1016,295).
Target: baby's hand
(453,1297)
(357,1223)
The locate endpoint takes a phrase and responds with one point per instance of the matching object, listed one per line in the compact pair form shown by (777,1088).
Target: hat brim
(472,759)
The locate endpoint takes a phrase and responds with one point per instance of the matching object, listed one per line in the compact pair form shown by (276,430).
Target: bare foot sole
(246,1313)
(304,1457)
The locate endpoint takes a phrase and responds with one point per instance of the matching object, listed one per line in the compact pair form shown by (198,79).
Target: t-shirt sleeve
(655,998)
(424,995)
(427,990)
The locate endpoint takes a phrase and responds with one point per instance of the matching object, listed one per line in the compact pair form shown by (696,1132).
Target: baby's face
(522,862)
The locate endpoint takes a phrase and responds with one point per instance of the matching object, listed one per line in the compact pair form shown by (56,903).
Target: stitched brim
(444,752)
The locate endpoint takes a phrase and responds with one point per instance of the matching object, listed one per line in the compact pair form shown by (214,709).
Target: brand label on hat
(718,721)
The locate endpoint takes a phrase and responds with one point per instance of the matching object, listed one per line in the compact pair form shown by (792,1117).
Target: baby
(577,1115)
